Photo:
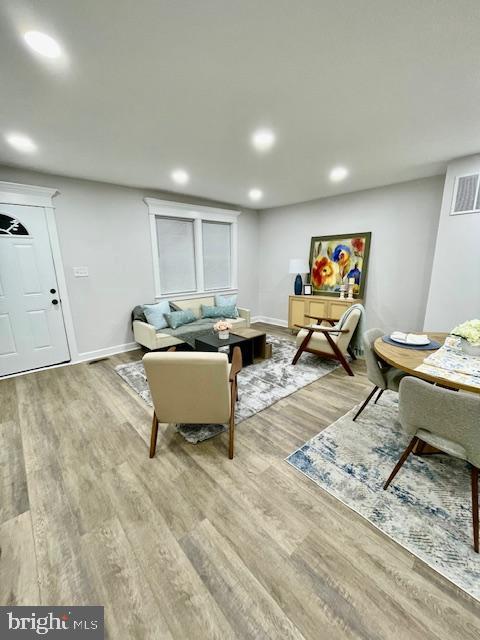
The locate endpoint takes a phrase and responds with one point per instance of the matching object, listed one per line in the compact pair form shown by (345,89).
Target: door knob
(54,301)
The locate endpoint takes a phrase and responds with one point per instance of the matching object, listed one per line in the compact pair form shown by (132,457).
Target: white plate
(411,344)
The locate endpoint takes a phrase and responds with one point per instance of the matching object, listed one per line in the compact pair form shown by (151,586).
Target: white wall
(455,286)
(106,228)
(403,220)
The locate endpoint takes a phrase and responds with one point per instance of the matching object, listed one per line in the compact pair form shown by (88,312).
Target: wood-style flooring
(191,545)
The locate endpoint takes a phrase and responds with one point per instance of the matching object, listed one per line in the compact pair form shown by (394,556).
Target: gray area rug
(259,386)
(427,508)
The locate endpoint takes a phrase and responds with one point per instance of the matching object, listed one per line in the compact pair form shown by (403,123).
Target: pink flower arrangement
(222,325)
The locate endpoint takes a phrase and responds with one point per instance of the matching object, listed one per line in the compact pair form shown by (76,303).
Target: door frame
(13,193)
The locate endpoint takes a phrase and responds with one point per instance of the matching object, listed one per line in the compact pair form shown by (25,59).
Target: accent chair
(445,419)
(193,388)
(327,339)
(381,374)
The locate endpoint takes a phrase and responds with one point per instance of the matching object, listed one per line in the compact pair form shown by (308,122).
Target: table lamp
(298,266)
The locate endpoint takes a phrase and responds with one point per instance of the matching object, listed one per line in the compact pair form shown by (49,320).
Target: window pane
(176,255)
(216,255)
(10,226)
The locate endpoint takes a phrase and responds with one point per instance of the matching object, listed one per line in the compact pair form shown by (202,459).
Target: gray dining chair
(382,375)
(446,420)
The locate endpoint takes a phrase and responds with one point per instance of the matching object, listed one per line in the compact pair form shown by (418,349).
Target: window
(11,226)
(216,255)
(176,255)
(194,248)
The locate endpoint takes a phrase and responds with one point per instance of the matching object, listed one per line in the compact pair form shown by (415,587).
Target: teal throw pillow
(155,313)
(223,301)
(176,319)
(225,311)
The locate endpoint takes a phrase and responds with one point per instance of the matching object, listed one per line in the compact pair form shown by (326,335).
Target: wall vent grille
(466,194)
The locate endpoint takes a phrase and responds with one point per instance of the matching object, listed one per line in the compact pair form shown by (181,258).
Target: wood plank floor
(190,544)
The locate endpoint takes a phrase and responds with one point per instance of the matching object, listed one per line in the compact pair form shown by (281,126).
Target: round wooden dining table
(408,359)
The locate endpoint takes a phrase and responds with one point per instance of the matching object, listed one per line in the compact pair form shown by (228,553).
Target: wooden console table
(299,307)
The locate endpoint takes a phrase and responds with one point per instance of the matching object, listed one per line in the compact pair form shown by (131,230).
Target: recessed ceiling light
(21,143)
(180,176)
(338,173)
(263,139)
(42,44)
(255,194)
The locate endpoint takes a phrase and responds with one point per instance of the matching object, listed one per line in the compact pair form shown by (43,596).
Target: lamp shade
(298,265)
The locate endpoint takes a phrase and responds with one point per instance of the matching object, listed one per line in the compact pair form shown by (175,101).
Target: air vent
(466,195)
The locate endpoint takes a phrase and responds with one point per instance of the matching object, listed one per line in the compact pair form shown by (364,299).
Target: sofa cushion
(225,311)
(176,319)
(138,313)
(195,304)
(189,332)
(221,300)
(155,313)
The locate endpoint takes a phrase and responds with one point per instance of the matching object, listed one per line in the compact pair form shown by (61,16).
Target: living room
(240,345)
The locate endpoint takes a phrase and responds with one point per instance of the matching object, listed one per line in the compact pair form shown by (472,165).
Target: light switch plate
(80,272)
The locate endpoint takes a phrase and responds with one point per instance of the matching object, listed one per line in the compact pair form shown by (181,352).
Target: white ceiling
(388,88)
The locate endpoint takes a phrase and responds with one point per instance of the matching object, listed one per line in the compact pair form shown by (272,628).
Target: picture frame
(307,290)
(337,258)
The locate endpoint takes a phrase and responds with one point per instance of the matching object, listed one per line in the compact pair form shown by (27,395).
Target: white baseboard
(82,357)
(267,320)
(104,353)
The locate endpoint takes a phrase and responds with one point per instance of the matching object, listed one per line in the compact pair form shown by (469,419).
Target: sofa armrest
(145,334)
(244,313)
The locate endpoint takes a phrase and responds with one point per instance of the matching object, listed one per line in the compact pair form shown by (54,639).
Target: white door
(32,331)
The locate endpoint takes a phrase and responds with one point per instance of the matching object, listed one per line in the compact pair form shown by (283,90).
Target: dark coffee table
(252,343)
(213,343)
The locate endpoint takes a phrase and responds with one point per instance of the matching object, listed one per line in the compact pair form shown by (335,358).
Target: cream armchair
(193,388)
(329,340)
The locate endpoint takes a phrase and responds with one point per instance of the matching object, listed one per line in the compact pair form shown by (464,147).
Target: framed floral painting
(336,259)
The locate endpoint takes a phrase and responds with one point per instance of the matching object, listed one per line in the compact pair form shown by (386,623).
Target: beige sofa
(146,334)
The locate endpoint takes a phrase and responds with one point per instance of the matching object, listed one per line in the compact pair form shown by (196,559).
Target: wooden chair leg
(231,437)
(153,437)
(418,450)
(231,424)
(302,347)
(475,507)
(370,396)
(378,397)
(339,355)
(399,464)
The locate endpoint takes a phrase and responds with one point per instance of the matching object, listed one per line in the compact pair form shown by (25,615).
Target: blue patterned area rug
(426,509)
(259,386)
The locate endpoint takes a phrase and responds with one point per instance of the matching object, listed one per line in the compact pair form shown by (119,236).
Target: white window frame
(199,214)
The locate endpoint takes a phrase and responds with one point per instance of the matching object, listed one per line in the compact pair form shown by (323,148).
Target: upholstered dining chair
(446,420)
(382,375)
(329,338)
(193,388)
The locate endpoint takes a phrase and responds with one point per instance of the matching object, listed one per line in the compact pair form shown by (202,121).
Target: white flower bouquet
(469,332)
